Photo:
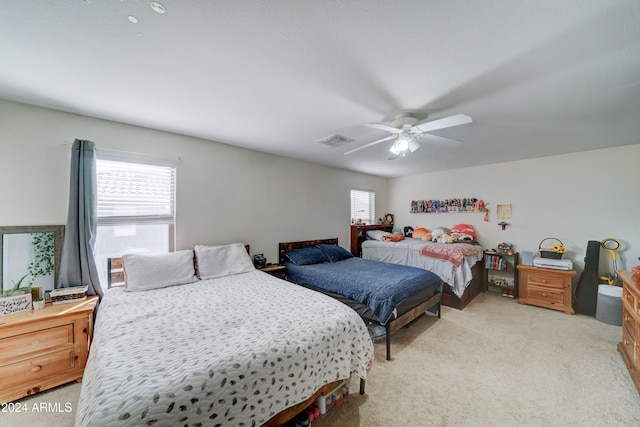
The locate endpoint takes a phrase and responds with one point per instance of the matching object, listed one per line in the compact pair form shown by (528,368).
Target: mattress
(380,286)
(235,350)
(408,252)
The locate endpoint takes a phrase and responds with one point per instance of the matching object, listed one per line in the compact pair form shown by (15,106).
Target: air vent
(335,140)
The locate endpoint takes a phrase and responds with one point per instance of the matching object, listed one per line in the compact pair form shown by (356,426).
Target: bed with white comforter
(233,350)
(409,252)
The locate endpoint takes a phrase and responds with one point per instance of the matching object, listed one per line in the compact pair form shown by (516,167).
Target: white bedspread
(229,351)
(407,252)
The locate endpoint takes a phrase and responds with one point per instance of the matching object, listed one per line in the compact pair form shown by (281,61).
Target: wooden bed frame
(472,290)
(391,326)
(450,299)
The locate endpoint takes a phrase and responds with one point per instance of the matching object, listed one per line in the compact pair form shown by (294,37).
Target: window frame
(371,214)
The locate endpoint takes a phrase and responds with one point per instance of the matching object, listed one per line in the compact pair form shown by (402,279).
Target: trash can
(609,304)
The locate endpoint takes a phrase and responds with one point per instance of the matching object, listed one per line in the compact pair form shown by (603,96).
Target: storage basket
(548,252)
(66,295)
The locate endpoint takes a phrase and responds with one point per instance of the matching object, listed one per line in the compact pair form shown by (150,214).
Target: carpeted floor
(496,363)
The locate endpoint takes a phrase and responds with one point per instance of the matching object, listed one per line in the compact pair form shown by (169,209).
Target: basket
(548,252)
(67,295)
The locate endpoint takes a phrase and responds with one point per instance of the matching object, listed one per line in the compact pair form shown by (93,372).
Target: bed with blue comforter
(386,294)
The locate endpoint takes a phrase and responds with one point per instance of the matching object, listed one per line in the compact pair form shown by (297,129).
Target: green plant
(43,250)
(38,299)
(16,286)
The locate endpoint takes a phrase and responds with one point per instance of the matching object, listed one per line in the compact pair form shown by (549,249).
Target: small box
(67,295)
(15,304)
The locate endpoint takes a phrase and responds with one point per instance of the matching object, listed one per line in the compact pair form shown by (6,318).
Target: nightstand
(41,349)
(546,287)
(276,270)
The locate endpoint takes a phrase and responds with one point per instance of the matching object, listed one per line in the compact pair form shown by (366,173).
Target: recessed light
(158,7)
(133,19)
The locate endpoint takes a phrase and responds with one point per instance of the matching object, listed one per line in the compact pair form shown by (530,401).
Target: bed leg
(362,382)
(388,337)
(439,309)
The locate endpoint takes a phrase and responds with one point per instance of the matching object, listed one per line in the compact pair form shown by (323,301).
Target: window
(136,208)
(363,206)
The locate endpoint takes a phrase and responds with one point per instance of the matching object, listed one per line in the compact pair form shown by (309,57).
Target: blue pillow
(306,256)
(335,252)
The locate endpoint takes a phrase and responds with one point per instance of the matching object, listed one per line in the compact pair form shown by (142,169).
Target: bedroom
(272,198)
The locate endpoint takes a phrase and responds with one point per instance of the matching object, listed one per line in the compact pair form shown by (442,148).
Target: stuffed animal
(464,231)
(395,237)
(419,232)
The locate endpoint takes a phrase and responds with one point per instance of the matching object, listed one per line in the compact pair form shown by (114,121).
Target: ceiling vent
(335,140)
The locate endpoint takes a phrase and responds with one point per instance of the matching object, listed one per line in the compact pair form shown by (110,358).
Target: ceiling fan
(408,133)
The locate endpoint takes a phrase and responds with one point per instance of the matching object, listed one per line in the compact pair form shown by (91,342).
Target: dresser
(629,346)
(546,287)
(41,349)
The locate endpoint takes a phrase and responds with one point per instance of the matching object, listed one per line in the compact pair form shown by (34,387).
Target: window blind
(363,206)
(131,192)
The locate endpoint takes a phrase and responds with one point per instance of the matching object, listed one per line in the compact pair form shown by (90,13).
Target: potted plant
(17,290)
(38,303)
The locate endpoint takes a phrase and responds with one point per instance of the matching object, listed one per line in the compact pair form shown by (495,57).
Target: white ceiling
(539,77)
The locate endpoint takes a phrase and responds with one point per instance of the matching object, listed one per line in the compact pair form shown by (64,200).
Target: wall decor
(467,204)
(503,211)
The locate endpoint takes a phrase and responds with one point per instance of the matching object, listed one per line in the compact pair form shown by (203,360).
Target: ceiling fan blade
(439,140)
(371,144)
(445,122)
(384,127)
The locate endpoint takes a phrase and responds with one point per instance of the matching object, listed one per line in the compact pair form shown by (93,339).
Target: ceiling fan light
(402,143)
(413,145)
(394,148)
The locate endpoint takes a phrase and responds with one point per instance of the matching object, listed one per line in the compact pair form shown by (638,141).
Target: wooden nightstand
(276,270)
(41,349)
(545,287)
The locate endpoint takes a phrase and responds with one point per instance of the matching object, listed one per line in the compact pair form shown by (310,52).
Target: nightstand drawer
(546,280)
(37,367)
(13,347)
(550,295)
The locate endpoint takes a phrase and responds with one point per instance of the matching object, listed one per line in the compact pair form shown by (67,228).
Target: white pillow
(151,271)
(223,260)
(377,234)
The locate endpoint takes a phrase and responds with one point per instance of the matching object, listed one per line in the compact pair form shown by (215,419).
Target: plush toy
(435,234)
(395,237)
(464,231)
(419,232)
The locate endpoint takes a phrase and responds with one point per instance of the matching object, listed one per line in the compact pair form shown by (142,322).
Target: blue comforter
(379,285)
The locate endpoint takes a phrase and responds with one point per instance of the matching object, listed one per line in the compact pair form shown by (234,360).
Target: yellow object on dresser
(41,349)
(628,347)
(546,287)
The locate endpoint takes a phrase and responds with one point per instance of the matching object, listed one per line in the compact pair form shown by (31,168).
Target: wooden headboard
(284,247)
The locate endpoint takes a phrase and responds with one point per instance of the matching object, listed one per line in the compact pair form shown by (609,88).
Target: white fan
(409,133)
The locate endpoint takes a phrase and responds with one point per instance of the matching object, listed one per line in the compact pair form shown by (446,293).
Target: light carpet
(495,363)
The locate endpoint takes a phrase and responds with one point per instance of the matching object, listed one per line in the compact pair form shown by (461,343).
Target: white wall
(224,193)
(578,197)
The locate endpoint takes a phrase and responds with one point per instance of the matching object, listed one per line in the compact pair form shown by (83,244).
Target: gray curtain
(77,266)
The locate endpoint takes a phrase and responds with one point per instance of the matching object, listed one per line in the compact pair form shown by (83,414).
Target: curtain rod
(114,152)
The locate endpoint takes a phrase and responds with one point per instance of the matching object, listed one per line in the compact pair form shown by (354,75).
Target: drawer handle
(36,368)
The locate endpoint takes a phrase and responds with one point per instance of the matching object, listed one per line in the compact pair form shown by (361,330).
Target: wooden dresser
(547,288)
(629,346)
(41,349)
